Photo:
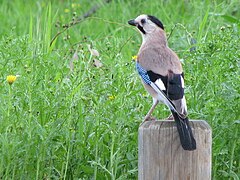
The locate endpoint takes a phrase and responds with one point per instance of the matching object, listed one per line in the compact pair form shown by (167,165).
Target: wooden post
(161,156)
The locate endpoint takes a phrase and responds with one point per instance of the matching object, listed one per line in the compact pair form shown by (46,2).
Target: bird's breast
(159,59)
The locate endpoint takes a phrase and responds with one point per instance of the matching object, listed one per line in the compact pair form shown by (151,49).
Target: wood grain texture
(161,156)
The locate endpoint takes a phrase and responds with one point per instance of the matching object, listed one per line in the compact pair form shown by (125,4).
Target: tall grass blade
(202,26)
(48,28)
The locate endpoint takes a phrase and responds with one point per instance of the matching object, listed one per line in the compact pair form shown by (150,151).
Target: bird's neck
(158,37)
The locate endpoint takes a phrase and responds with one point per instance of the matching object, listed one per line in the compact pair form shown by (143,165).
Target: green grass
(58,123)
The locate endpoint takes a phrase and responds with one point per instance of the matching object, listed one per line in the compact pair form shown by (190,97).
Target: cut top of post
(161,155)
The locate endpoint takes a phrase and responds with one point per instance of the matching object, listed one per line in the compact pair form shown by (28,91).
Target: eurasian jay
(162,75)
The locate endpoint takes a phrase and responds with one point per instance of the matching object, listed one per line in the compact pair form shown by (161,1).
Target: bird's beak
(132,22)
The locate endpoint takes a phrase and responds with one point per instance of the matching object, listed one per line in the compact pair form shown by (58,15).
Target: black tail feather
(185,132)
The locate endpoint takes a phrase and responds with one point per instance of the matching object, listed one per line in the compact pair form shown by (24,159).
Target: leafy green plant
(74,114)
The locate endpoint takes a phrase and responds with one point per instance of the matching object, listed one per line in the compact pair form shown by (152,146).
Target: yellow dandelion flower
(134,58)
(112,97)
(66,10)
(11,79)
(74,5)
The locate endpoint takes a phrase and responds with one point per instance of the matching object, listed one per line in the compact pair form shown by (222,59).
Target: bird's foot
(170,117)
(148,118)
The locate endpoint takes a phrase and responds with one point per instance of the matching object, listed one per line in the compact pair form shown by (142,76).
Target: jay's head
(146,24)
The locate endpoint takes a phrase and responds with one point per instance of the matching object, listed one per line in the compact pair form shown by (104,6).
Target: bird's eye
(143,21)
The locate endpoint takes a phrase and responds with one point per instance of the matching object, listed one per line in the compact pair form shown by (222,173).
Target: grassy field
(64,118)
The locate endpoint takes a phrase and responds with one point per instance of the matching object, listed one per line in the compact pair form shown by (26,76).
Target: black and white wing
(171,88)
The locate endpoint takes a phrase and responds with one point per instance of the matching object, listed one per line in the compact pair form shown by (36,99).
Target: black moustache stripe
(141,29)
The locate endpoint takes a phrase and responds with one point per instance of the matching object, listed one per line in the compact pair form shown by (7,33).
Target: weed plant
(71,114)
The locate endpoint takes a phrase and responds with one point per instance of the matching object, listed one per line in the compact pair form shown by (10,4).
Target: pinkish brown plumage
(162,74)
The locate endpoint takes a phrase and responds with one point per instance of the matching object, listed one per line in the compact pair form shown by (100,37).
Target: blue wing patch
(143,73)
(172,82)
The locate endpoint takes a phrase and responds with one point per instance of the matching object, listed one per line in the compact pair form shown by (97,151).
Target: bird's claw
(148,118)
(170,117)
